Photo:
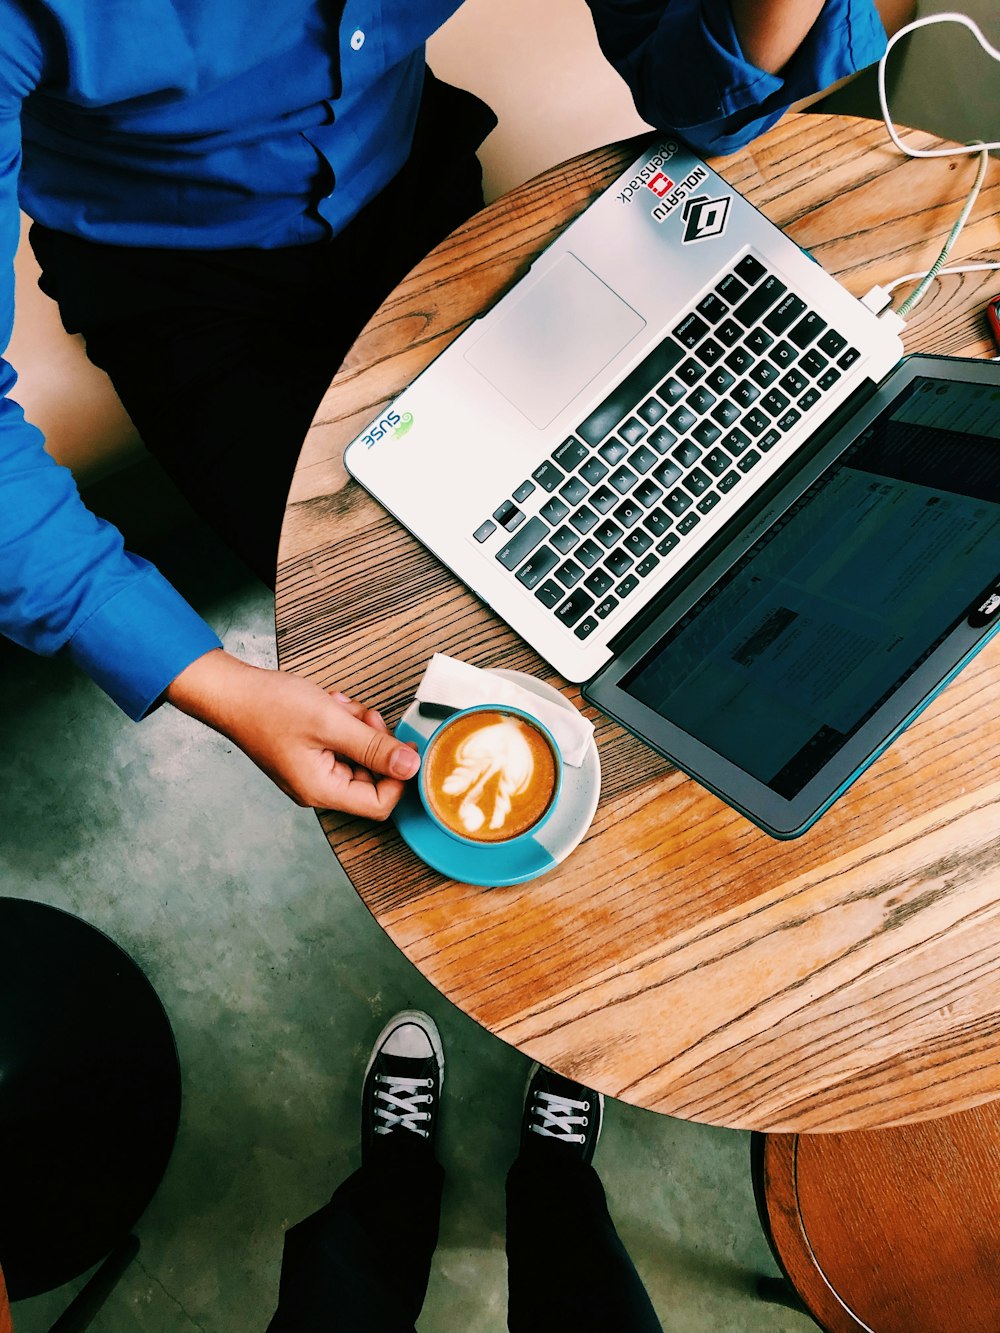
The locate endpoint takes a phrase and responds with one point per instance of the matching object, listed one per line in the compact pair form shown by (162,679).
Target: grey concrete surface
(276,980)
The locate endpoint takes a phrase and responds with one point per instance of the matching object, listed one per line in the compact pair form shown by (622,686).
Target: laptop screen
(826,615)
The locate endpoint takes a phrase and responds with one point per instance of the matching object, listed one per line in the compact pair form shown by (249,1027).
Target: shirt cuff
(139,641)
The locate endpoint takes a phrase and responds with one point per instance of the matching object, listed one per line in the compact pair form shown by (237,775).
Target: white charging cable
(983,149)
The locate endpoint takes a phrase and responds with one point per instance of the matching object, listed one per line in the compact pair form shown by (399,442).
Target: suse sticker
(391,424)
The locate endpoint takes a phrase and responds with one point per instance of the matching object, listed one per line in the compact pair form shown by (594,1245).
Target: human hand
(322,750)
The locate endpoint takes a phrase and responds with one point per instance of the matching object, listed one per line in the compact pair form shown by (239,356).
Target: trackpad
(551,341)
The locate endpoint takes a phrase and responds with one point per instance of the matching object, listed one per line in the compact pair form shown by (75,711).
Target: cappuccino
(489,775)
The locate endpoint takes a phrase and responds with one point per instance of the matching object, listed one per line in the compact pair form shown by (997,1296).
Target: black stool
(89,1100)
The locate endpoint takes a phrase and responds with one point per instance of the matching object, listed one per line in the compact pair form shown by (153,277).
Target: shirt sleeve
(66,581)
(687,73)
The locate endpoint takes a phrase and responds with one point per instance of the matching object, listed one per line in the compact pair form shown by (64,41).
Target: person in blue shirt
(212,189)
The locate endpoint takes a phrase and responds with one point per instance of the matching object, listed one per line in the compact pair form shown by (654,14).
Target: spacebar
(636,385)
(511,555)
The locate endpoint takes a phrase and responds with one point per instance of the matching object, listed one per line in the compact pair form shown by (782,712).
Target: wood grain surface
(681,959)
(892,1230)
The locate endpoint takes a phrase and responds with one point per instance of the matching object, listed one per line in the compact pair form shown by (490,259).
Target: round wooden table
(680,959)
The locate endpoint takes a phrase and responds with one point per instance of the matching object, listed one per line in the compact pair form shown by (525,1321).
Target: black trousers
(361,1264)
(221,357)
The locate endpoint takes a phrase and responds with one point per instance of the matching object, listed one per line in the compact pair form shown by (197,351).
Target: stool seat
(891,1230)
(89,1095)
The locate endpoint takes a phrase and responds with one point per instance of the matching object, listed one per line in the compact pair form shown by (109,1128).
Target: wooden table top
(681,959)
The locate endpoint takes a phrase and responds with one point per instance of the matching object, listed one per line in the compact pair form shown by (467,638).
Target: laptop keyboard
(679,432)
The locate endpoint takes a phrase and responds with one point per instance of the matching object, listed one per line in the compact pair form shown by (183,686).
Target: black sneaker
(403,1084)
(560,1117)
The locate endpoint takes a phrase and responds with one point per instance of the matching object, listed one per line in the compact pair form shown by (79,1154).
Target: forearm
(771,31)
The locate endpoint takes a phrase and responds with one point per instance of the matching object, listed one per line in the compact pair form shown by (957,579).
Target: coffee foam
(490,776)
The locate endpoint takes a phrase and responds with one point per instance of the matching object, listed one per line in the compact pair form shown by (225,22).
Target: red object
(993,315)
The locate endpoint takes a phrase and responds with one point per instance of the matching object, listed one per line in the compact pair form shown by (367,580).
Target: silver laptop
(573,451)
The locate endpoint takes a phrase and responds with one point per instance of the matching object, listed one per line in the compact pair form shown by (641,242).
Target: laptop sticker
(705,218)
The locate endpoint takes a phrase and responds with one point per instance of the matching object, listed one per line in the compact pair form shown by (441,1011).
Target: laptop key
(508,515)
(627,585)
(652,411)
(682,419)
(828,379)
(789,419)
(736,441)
(748,461)
(584,519)
(667,473)
(774,402)
(706,433)
(550,594)
(585,628)
(647,566)
(632,430)
(809,399)
(671,391)
(569,573)
(697,481)
(750,269)
(716,461)
(570,453)
(793,381)
(638,542)
(758,340)
(548,476)
(589,553)
(613,450)
(554,510)
(731,289)
(657,522)
(485,530)
(708,501)
(807,330)
(832,342)
(667,543)
(598,582)
(709,352)
(661,439)
(720,380)
(783,354)
(700,399)
(768,440)
(628,514)
(756,422)
(690,371)
(739,360)
(603,499)
(618,562)
(537,566)
(764,373)
(729,332)
(574,491)
(564,540)
(521,546)
(725,413)
(785,313)
(637,384)
(641,460)
(604,609)
(849,358)
(690,331)
(572,609)
(745,393)
(812,363)
(677,502)
(759,301)
(608,533)
(623,480)
(686,453)
(593,471)
(727,482)
(687,523)
(647,493)
(711,308)
(523,491)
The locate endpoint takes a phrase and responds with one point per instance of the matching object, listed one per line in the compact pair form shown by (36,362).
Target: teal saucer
(499,865)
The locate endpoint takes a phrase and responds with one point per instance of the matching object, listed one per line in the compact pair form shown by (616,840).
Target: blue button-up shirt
(218,123)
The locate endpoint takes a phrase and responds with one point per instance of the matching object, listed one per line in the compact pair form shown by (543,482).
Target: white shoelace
(401,1098)
(557,1117)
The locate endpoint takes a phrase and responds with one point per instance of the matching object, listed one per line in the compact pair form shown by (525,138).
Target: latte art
(489,775)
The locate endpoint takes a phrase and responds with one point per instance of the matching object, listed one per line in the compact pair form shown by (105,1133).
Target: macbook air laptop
(673,379)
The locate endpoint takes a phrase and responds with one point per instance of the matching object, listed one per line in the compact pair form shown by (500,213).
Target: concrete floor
(276,980)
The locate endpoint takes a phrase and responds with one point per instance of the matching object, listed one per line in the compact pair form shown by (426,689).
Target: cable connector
(876,300)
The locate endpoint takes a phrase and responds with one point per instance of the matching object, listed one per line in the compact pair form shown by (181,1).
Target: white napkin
(459,685)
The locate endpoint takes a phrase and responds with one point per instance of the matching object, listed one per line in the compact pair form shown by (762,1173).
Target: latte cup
(490,775)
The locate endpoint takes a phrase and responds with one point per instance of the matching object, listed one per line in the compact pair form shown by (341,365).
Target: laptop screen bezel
(776,815)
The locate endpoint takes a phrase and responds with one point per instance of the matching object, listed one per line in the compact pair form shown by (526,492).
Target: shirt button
(357,39)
